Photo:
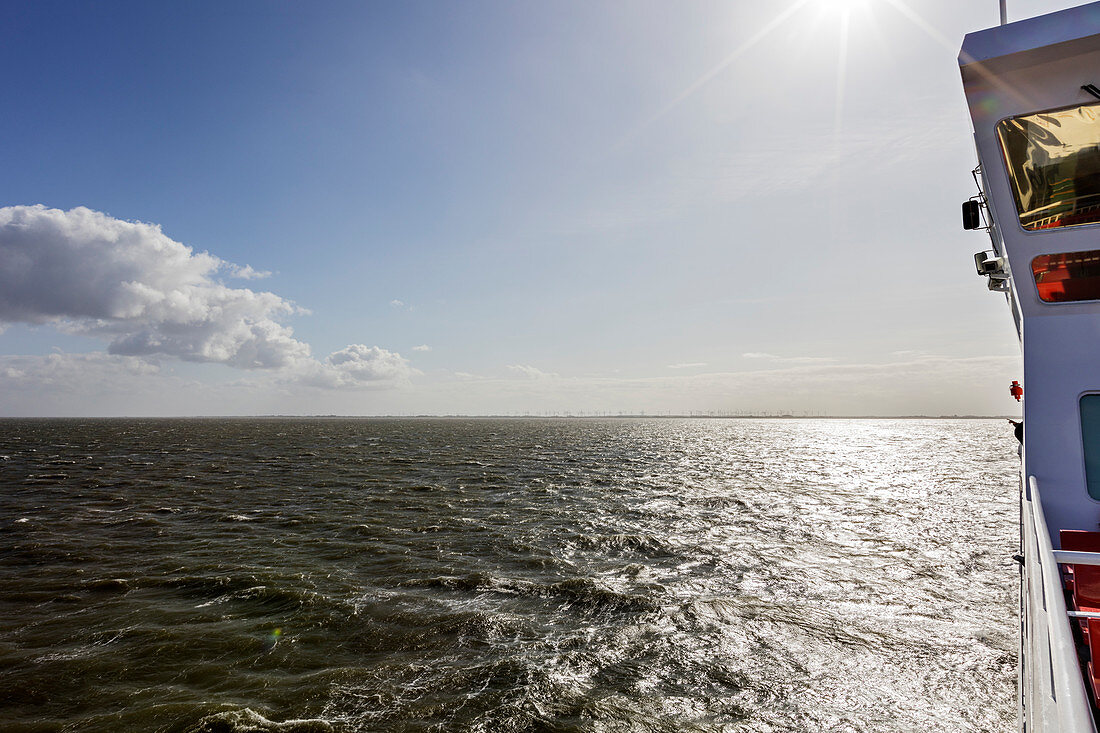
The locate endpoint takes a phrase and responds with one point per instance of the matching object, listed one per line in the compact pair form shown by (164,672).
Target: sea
(554,574)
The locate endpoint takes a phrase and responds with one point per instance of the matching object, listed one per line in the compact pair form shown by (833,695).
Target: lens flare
(272,639)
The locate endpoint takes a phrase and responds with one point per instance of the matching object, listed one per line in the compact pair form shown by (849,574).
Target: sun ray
(939,38)
(841,70)
(924,25)
(713,72)
(835,199)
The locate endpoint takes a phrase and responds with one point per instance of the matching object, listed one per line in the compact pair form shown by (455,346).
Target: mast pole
(1004,12)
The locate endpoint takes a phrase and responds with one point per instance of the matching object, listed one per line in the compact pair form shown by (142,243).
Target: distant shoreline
(517,417)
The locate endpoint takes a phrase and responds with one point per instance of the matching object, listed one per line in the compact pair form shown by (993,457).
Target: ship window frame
(1005,166)
(1085,446)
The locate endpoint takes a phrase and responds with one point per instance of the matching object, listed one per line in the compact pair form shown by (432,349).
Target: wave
(646,545)
(247,720)
(40,479)
(106,585)
(251,591)
(585,594)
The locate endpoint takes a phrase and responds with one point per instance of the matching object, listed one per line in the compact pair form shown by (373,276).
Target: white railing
(1072,557)
(1054,697)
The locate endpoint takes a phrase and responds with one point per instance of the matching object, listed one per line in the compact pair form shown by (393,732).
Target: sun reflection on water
(746,575)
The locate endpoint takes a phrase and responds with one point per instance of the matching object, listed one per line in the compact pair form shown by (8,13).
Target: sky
(396,208)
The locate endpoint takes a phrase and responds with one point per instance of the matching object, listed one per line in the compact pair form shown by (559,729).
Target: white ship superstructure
(1033,88)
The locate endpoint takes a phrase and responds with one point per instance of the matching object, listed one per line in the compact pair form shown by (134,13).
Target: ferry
(1033,90)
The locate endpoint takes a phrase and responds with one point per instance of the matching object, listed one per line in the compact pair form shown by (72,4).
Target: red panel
(1086,587)
(1094,656)
(1079,540)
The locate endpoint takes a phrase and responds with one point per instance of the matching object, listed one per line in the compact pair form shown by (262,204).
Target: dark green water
(507,575)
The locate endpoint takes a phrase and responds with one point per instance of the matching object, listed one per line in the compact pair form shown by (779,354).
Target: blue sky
(504,207)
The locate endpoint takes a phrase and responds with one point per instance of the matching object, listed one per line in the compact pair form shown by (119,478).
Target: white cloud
(932,385)
(395,303)
(422,347)
(145,293)
(356,366)
(83,384)
(532,372)
(67,372)
(688,365)
(789,359)
(348,381)
(808,360)
(87,273)
(104,384)
(247,273)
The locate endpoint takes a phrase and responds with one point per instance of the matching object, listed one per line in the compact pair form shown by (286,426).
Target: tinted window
(1066,277)
(1090,434)
(1054,166)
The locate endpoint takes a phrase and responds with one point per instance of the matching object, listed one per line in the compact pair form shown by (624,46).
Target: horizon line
(555,416)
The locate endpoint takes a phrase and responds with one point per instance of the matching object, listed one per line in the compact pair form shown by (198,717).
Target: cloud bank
(532,372)
(67,372)
(148,295)
(789,359)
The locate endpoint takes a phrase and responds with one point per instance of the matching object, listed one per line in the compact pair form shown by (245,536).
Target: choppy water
(507,575)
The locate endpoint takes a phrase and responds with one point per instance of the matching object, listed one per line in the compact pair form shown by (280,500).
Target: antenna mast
(1004,12)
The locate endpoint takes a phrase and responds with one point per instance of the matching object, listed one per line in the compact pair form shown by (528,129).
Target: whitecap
(247,720)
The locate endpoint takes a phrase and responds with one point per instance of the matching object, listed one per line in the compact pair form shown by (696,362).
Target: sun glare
(847,14)
(844,6)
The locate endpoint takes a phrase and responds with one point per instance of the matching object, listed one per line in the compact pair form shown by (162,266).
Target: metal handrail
(1076,557)
(1073,712)
(1083,614)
